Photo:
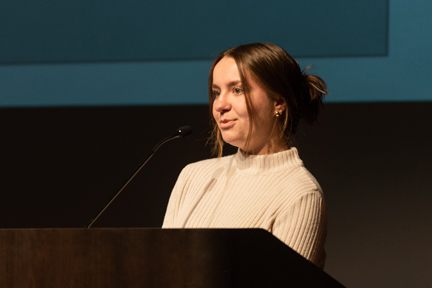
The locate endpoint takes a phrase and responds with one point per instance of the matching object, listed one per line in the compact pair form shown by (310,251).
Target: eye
(216,94)
(238,91)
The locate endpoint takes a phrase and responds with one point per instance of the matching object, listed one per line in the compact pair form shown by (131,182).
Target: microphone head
(184,131)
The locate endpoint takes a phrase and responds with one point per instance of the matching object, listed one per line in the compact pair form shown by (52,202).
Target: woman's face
(231,115)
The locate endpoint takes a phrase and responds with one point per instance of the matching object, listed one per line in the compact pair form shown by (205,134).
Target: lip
(226,123)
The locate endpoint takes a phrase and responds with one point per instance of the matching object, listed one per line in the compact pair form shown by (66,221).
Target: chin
(233,139)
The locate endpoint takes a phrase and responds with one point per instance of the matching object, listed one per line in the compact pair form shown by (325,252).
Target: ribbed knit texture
(274,192)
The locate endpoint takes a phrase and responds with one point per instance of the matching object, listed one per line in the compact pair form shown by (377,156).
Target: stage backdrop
(55,53)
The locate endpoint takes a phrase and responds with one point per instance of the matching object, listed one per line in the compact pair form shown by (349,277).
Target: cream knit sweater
(273,192)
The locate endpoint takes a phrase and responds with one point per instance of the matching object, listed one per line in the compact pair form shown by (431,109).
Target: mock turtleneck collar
(268,163)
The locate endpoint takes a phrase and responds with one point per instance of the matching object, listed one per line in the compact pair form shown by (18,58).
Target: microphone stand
(181,132)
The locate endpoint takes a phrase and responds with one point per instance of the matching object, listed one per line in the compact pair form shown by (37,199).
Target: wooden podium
(134,257)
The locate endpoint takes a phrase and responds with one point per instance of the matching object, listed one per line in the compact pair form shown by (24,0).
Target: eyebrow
(230,84)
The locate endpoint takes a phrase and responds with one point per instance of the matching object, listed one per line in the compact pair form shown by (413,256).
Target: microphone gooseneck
(180,133)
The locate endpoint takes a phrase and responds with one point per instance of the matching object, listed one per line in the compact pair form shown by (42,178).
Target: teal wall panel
(403,74)
(131,30)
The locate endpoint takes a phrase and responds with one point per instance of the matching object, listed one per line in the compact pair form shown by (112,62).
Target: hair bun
(315,90)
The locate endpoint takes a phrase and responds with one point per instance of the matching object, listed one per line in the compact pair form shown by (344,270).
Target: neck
(270,147)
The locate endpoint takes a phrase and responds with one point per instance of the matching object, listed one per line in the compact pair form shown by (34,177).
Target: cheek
(265,116)
(241,109)
(267,113)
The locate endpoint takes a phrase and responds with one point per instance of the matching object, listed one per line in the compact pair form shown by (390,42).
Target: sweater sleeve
(174,201)
(302,226)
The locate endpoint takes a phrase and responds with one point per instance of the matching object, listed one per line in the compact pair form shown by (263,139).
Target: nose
(222,104)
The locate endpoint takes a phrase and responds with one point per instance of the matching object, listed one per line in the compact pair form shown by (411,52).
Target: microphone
(183,131)
(180,133)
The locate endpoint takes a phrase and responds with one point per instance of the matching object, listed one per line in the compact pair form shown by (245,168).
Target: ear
(280,104)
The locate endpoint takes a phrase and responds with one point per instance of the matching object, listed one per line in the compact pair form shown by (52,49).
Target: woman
(258,95)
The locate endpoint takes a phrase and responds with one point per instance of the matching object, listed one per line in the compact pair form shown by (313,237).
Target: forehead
(226,71)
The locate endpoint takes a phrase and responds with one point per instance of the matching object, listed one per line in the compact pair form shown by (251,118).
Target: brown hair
(281,78)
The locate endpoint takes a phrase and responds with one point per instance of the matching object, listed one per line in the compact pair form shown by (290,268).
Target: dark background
(59,166)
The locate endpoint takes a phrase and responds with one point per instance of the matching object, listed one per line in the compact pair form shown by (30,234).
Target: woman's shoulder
(300,182)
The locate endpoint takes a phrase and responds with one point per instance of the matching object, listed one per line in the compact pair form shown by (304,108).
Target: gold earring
(277,114)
